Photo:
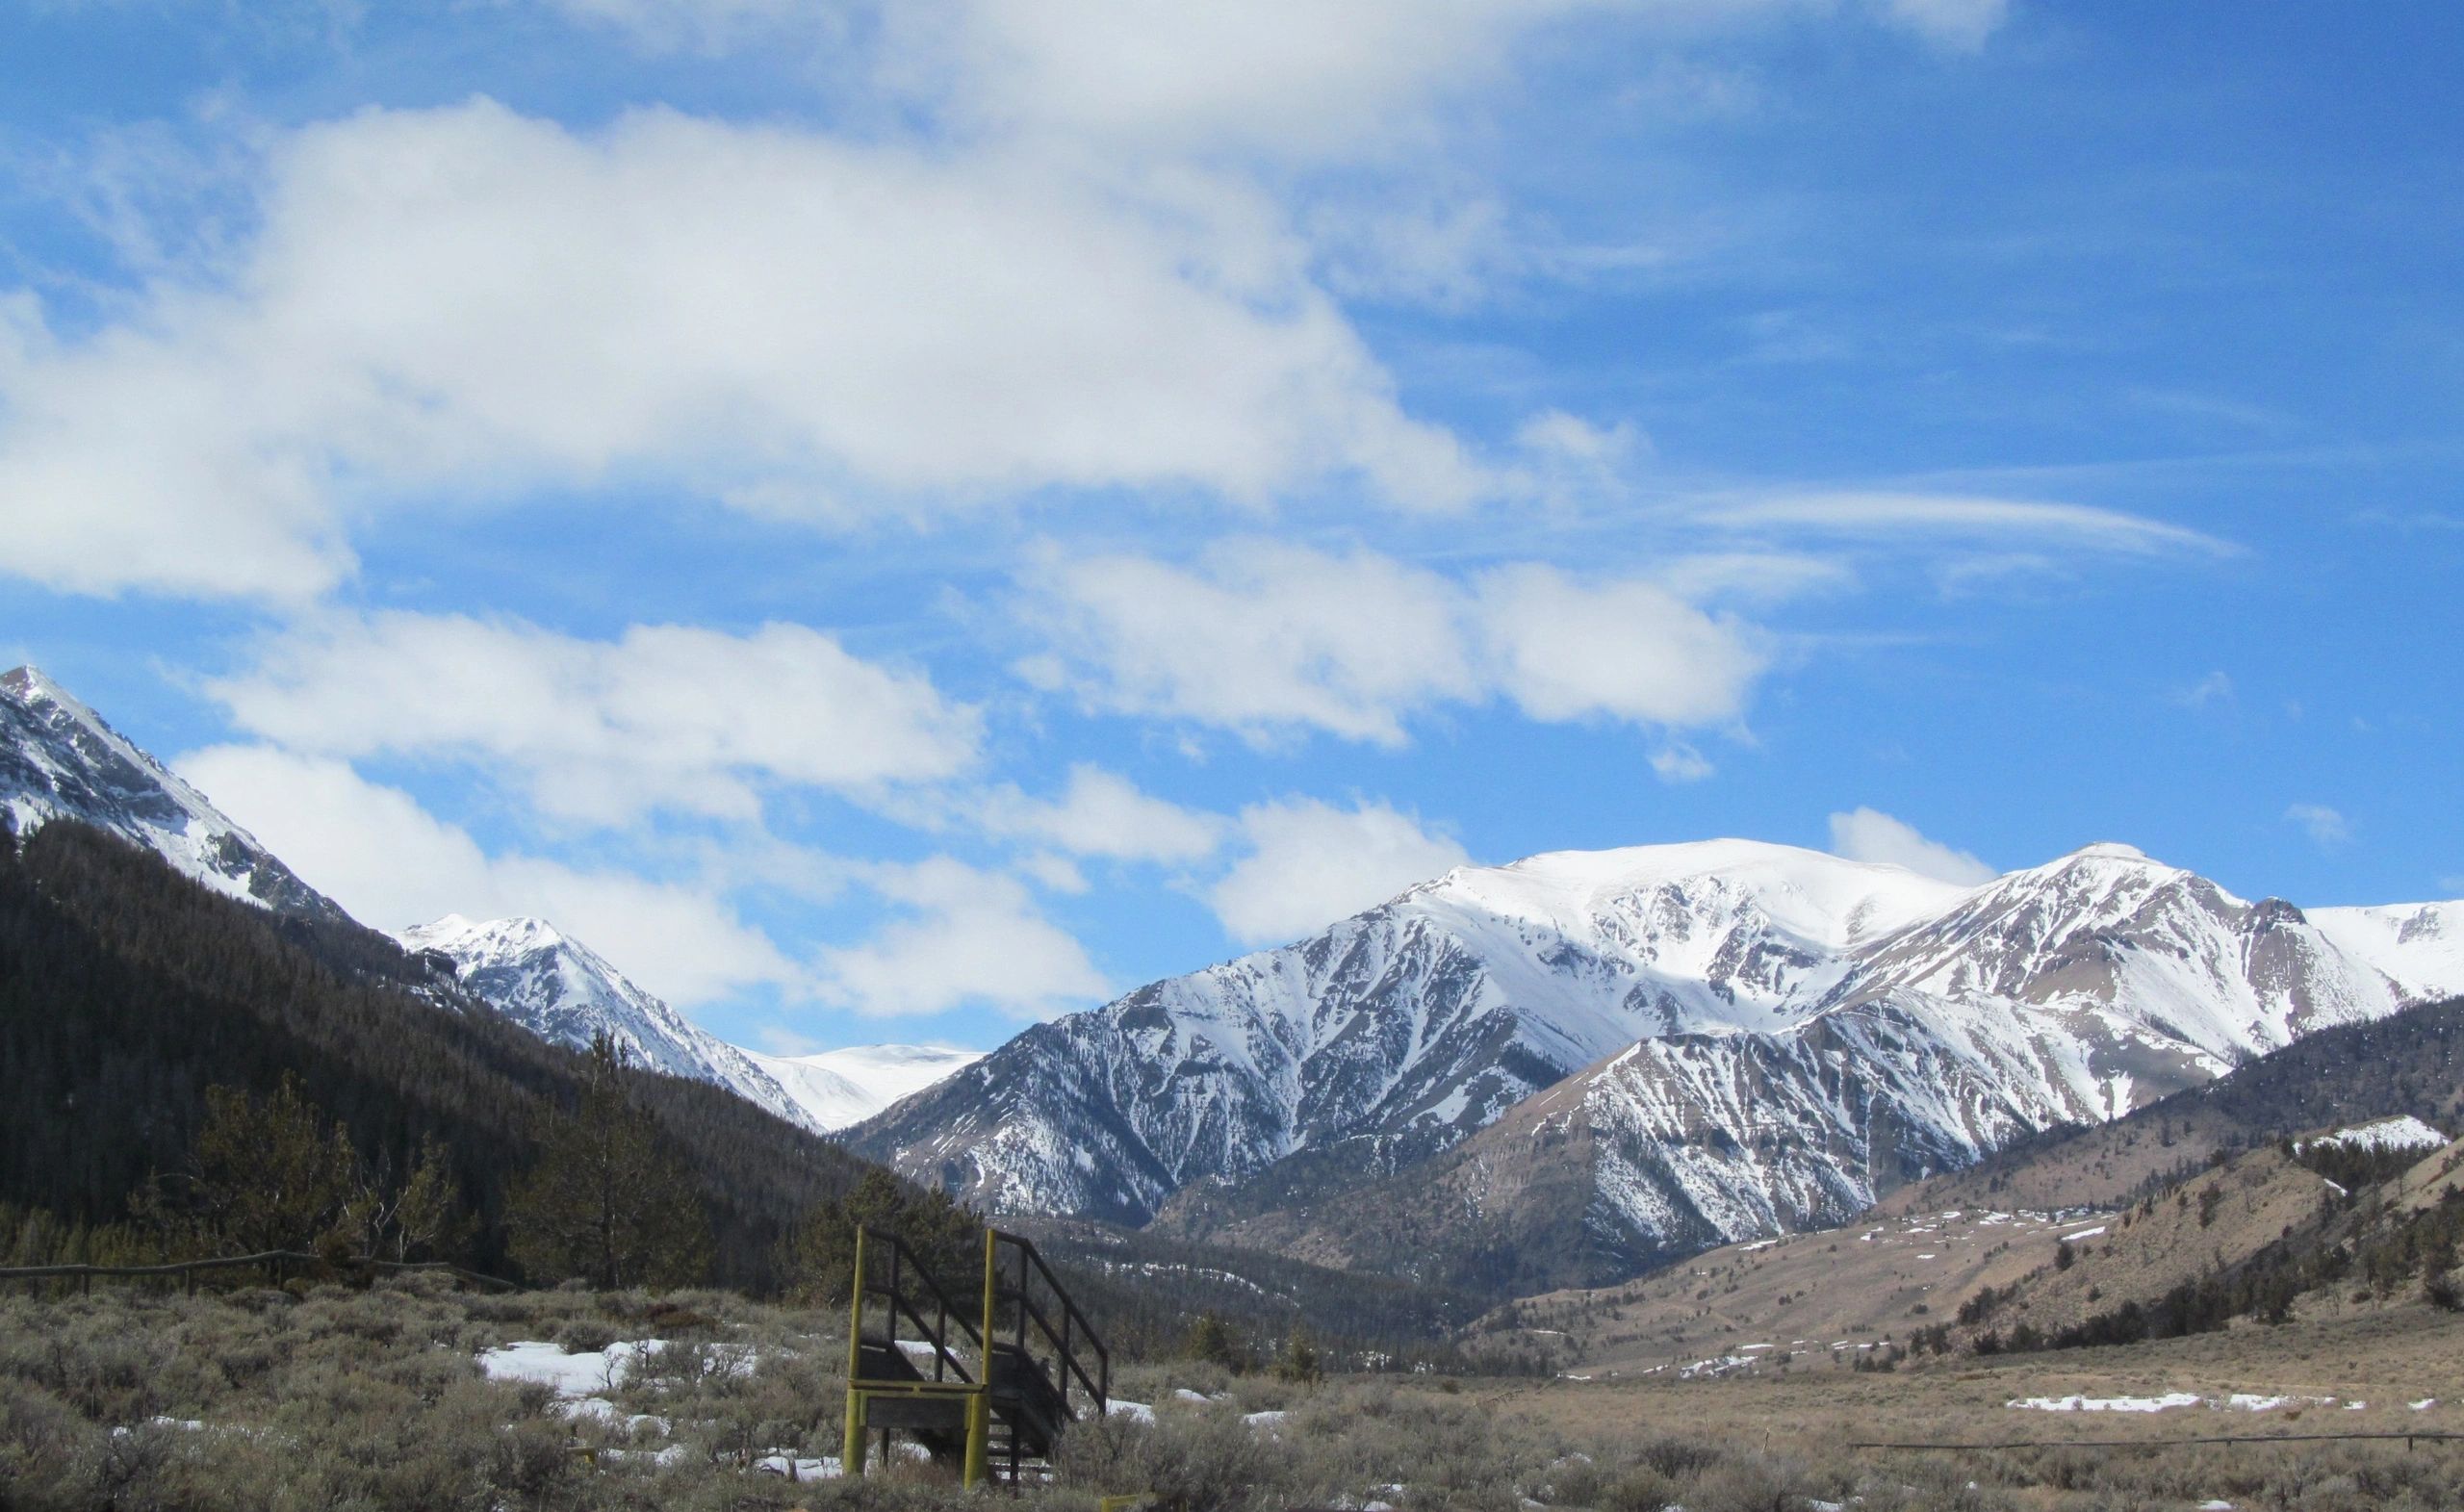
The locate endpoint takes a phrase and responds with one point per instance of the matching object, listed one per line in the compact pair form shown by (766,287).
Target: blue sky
(890,522)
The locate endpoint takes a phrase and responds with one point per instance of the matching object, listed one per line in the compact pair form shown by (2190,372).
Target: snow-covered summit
(1811,896)
(562,990)
(58,759)
(2077,990)
(837,1087)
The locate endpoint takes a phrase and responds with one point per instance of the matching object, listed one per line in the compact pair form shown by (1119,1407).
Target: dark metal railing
(1067,1340)
(904,1269)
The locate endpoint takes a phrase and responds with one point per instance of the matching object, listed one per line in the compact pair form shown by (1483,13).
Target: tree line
(162,1047)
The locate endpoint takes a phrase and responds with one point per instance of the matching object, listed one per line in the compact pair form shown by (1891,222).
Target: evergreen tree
(817,1260)
(263,1174)
(1299,1364)
(607,1201)
(1211,1342)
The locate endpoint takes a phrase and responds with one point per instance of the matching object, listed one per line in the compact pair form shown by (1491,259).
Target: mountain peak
(2109,851)
(58,759)
(458,934)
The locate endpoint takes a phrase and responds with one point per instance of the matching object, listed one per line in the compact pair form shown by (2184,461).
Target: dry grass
(1860,1286)
(373,1400)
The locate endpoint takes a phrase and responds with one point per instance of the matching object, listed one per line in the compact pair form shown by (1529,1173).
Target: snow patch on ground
(2236,1402)
(2403,1133)
(571,1375)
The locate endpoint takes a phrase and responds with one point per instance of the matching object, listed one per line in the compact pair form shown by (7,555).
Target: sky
(895,522)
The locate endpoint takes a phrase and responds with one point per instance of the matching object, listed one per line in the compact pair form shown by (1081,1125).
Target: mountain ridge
(1776,1038)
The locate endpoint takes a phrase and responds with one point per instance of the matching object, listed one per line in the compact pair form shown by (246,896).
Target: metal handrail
(902,1259)
(1098,1384)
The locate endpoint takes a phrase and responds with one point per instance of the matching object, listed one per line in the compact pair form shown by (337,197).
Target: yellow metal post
(979,1438)
(979,1415)
(851,1445)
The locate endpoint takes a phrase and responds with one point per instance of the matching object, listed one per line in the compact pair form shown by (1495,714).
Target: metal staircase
(989,1395)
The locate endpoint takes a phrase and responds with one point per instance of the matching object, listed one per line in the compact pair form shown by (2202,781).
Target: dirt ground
(2384,1360)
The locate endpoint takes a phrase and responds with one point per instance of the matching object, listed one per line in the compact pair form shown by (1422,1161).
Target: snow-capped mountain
(58,759)
(1772,1036)
(562,990)
(837,1087)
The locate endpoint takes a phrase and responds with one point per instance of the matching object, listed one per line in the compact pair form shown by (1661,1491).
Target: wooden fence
(187,1271)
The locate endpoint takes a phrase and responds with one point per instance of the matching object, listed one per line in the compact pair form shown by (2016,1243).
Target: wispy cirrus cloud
(1882,514)
(2328,828)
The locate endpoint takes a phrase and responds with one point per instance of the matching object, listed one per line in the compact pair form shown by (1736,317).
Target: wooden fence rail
(187,1270)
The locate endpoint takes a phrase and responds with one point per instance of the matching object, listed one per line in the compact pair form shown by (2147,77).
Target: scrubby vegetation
(326,1397)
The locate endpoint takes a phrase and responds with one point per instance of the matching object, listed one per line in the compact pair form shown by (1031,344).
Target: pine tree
(1210,1343)
(1300,1364)
(817,1260)
(263,1174)
(607,1201)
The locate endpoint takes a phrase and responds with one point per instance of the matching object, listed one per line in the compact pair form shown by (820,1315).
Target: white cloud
(973,937)
(1753,576)
(1054,873)
(390,863)
(2217,687)
(1868,835)
(1311,863)
(1953,25)
(1289,76)
(1265,638)
(1102,813)
(1299,78)
(470,302)
(663,717)
(1868,513)
(1679,762)
(2327,827)
(1565,649)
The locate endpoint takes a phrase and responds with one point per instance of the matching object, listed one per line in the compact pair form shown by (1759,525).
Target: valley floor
(417,1396)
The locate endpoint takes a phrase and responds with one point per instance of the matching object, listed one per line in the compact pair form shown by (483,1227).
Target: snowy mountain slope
(58,759)
(1411,1025)
(2109,930)
(1774,1037)
(2419,946)
(562,990)
(837,1087)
